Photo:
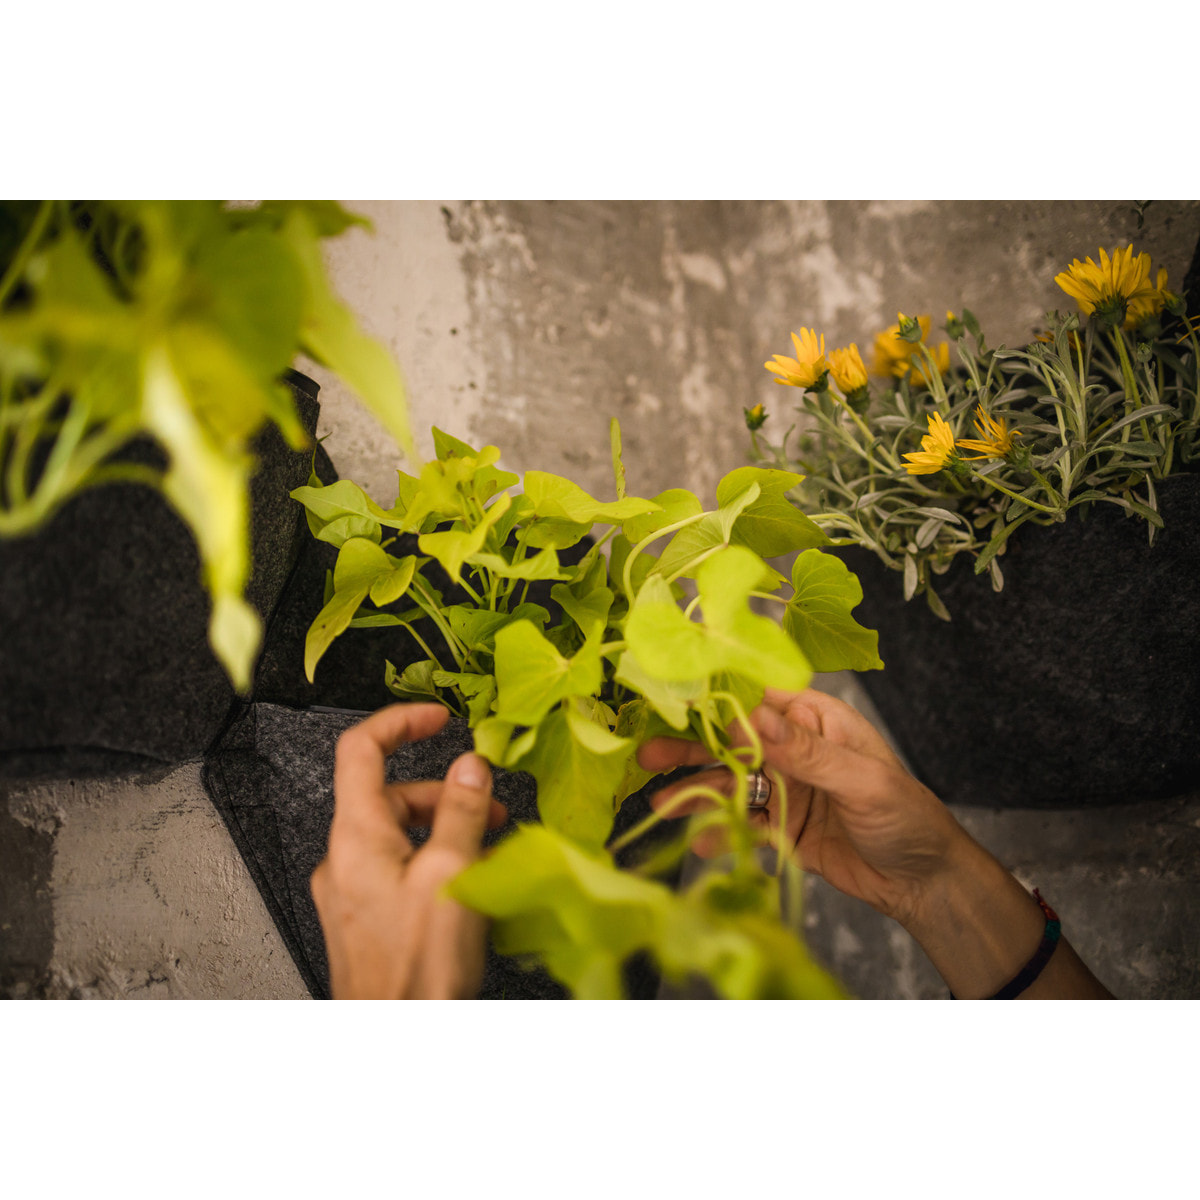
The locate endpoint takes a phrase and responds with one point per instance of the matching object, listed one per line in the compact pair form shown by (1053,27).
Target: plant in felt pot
(1065,472)
(643,644)
(147,345)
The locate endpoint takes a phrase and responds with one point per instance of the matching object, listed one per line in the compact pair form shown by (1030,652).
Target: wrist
(976,923)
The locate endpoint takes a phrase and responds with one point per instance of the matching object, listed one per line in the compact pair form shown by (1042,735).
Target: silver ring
(759,791)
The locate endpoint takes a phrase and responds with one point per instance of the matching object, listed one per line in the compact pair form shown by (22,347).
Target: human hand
(855,816)
(388,931)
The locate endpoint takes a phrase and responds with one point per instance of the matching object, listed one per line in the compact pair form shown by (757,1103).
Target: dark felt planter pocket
(1077,685)
(105,620)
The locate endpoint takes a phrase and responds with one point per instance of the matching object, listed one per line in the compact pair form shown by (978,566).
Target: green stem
(627,574)
(695,562)
(20,260)
(1001,488)
(1130,383)
(432,610)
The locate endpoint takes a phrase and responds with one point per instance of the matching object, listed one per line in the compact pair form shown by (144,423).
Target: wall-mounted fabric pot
(104,618)
(1078,684)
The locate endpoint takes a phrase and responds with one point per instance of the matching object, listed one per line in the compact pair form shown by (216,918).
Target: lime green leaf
(254,289)
(325,506)
(487,479)
(818,616)
(614,436)
(543,565)
(578,766)
(340,530)
(771,525)
(331,621)
(571,907)
(676,504)
(235,632)
(589,611)
(532,676)
(670,700)
(476,627)
(519,510)
(362,562)
(453,547)
(414,683)
(478,690)
(690,546)
(639,721)
(332,336)
(549,533)
(556,497)
(328,217)
(731,638)
(582,917)
(362,568)
(387,589)
(208,486)
(491,740)
(380,620)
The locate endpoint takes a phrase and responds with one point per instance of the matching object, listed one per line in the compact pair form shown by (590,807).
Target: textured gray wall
(530,324)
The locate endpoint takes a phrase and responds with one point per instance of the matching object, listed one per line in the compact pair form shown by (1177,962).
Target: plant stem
(21,259)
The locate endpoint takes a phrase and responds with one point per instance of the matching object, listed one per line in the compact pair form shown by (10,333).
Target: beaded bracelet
(1033,968)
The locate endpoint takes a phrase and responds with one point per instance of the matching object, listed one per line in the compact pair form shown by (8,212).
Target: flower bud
(954,327)
(755,417)
(910,328)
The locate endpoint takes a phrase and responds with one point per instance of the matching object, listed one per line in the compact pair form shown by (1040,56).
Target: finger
(418,801)
(803,754)
(358,785)
(461,813)
(664,753)
(835,719)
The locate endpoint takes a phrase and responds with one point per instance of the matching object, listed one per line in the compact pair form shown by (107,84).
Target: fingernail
(771,725)
(470,771)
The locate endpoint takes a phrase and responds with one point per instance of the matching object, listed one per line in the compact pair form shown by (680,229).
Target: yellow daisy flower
(809,364)
(920,368)
(995,438)
(892,354)
(846,367)
(1145,307)
(894,358)
(937,449)
(1110,287)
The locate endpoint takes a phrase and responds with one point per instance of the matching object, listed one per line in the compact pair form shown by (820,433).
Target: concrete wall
(529,325)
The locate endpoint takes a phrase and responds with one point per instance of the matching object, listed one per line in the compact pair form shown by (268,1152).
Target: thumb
(461,814)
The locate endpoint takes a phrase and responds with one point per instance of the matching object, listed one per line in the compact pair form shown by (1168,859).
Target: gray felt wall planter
(104,617)
(1078,684)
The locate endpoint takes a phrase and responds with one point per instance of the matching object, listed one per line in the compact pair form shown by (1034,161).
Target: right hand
(855,816)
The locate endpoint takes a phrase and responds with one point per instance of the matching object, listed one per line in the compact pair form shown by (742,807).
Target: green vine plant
(174,320)
(934,462)
(648,643)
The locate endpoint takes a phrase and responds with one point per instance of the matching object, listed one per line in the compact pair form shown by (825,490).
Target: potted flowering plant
(641,644)
(1064,471)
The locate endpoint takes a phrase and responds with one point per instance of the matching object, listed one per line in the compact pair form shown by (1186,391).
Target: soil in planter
(1077,685)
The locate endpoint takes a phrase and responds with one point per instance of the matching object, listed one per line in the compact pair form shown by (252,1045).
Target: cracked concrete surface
(150,899)
(529,324)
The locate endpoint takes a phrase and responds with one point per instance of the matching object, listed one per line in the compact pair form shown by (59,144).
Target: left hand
(389,932)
